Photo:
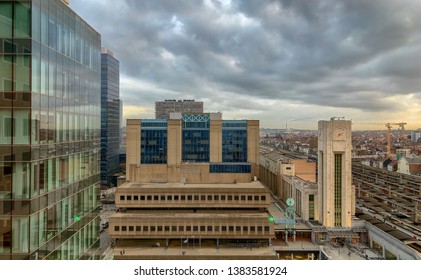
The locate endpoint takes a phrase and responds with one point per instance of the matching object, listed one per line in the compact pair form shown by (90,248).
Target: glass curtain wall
(49,130)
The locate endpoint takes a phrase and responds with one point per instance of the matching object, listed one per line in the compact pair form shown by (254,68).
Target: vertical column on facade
(253,150)
(215,145)
(174,149)
(132,148)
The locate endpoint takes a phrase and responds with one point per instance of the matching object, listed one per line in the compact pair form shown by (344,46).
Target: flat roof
(251,185)
(186,214)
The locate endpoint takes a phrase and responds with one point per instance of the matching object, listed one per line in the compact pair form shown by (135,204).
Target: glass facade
(338,190)
(195,138)
(234,141)
(311,207)
(49,132)
(229,168)
(110,117)
(153,139)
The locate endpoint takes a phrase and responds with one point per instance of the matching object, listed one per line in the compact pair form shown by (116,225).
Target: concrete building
(49,132)
(192,177)
(416,135)
(110,116)
(409,165)
(199,148)
(336,196)
(164,108)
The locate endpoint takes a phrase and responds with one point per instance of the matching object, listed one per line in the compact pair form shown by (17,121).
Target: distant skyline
(277,61)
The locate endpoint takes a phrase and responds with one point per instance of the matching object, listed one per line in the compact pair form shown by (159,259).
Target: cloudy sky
(294,61)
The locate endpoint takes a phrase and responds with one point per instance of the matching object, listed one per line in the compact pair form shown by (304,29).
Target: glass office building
(49,132)
(110,117)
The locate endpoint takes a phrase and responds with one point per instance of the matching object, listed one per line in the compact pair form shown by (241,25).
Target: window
(173,228)
(154,142)
(236,197)
(256,198)
(338,190)
(169,197)
(223,197)
(231,228)
(189,197)
(196,197)
(159,228)
(131,228)
(224,228)
(209,228)
(203,197)
(135,197)
(175,197)
(245,229)
(162,197)
(182,197)
(167,228)
(180,228)
(234,141)
(252,228)
(202,228)
(195,143)
(250,197)
(153,228)
(137,228)
(156,197)
(188,228)
(259,228)
(142,197)
(209,197)
(243,197)
(195,228)
(229,197)
(122,197)
(266,228)
(229,168)
(263,198)
(149,197)
(129,197)
(216,197)
(311,207)
(145,228)
(116,228)
(124,228)
(237,229)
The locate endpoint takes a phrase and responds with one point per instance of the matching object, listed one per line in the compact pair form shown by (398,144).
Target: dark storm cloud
(346,54)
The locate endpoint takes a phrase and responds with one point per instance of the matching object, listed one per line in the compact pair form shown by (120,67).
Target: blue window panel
(234,145)
(154,123)
(230,168)
(196,145)
(153,146)
(234,124)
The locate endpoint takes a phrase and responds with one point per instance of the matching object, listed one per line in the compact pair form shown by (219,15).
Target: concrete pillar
(132,147)
(215,144)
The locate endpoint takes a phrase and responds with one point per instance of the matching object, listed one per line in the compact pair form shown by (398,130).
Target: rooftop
(239,186)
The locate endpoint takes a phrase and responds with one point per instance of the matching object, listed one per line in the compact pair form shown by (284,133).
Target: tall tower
(334,169)
(110,116)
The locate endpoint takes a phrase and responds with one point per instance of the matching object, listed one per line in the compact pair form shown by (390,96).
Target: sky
(285,63)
